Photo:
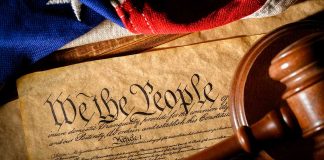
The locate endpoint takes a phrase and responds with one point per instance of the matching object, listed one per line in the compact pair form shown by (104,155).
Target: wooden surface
(104,49)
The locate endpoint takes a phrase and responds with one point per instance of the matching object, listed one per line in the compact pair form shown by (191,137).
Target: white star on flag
(76,6)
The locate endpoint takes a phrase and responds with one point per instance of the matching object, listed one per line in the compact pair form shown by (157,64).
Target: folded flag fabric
(177,16)
(32,29)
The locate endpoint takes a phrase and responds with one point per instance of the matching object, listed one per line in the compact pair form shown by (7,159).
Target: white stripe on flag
(271,8)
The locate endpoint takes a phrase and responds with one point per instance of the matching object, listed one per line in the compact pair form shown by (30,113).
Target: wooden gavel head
(300,67)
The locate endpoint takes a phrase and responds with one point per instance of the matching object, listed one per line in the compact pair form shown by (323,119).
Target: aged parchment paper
(12,144)
(159,105)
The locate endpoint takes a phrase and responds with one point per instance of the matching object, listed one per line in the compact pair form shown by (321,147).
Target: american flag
(33,29)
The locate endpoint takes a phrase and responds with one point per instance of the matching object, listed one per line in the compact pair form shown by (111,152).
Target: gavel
(300,67)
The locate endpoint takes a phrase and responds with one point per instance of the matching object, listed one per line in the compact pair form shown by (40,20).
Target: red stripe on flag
(181,16)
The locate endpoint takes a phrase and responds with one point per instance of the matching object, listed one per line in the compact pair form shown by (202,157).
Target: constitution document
(164,104)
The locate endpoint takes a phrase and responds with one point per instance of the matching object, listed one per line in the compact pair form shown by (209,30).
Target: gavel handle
(275,124)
